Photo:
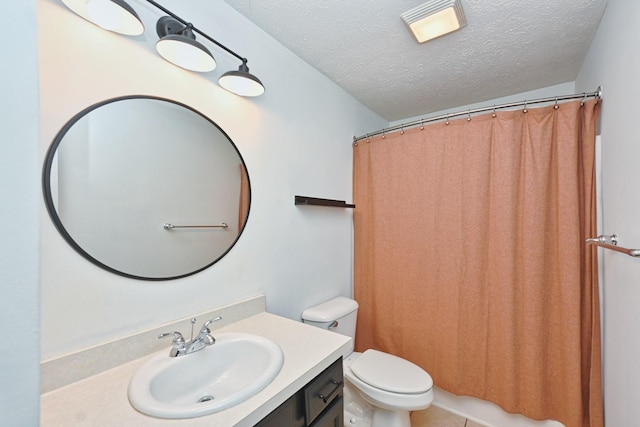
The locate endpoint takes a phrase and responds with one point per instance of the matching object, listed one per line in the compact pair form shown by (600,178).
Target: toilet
(381,390)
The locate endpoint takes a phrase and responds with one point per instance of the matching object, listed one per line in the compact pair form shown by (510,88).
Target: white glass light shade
(186,53)
(241,82)
(434,19)
(112,15)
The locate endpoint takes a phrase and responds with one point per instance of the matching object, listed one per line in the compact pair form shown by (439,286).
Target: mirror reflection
(146,188)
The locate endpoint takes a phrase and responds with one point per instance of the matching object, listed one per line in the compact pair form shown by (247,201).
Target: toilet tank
(338,315)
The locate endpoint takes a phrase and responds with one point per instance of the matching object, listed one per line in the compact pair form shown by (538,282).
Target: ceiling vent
(434,19)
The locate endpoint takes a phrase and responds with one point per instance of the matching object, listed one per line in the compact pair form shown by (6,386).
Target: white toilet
(391,386)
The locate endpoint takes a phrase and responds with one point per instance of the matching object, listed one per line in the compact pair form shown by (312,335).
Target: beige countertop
(101,400)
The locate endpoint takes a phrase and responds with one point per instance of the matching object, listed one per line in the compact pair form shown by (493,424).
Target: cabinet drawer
(332,417)
(320,392)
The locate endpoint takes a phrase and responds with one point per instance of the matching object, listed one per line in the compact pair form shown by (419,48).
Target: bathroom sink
(215,378)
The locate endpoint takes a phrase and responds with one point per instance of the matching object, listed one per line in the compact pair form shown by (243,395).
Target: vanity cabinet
(318,404)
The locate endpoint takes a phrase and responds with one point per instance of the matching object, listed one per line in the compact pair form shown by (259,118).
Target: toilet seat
(388,400)
(391,373)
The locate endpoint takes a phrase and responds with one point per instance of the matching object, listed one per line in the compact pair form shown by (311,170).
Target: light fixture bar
(177,44)
(240,82)
(194,29)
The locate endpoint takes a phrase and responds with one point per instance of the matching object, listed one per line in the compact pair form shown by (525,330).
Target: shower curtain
(470,257)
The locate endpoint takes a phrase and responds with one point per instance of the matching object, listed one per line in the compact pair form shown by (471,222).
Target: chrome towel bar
(170,227)
(611,242)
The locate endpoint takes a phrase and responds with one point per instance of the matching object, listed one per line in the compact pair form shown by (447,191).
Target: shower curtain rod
(597,94)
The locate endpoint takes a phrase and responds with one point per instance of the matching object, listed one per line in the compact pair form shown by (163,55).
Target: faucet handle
(205,327)
(177,337)
(178,344)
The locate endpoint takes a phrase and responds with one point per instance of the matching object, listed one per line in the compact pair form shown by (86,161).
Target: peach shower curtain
(470,257)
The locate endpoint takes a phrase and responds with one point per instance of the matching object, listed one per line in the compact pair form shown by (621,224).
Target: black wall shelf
(314,201)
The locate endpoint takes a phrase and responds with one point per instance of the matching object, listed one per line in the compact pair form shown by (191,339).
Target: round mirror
(146,188)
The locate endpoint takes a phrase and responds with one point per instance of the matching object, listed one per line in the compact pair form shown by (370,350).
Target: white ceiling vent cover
(434,19)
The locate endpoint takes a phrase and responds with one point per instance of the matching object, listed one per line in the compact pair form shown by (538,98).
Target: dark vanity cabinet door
(317,404)
(289,414)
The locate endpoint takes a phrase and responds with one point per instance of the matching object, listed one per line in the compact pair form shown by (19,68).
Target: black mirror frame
(48,199)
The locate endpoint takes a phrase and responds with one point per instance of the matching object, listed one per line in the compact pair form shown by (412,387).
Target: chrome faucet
(180,347)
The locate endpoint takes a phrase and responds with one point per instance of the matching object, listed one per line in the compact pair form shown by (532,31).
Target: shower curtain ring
(402,130)
(494,115)
(422,124)
(469,115)
(525,110)
(447,122)
(584,97)
(556,106)
(383,135)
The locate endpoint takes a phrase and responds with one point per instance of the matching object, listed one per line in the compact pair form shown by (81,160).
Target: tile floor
(437,417)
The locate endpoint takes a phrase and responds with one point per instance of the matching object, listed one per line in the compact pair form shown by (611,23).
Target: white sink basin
(218,377)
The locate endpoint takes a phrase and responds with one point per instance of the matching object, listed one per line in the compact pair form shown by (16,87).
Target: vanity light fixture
(434,19)
(112,15)
(242,82)
(178,45)
(177,42)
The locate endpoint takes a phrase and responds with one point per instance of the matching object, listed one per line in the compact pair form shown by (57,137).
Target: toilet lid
(391,373)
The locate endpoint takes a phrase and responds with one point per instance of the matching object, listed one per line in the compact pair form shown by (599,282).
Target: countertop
(101,400)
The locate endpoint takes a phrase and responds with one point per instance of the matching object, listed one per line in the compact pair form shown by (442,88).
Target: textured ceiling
(507,47)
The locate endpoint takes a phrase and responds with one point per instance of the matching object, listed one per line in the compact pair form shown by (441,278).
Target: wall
(295,139)
(613,61)
(19,187)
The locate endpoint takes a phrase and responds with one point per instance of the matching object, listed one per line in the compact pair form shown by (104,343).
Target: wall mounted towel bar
(611,242)
(169,227)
